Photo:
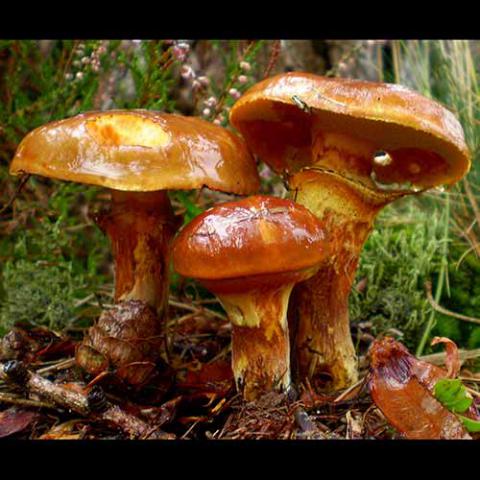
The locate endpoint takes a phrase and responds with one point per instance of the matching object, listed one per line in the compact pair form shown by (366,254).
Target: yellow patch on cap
(127,130)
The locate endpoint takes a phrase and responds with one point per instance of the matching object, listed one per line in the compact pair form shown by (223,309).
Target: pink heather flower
(85,60)
(187,72)
(101,49)
(205,81)
(210,102)
(242,79)
(179,53)
(184,46)
(79,75)
(234,93)
(196,85)
(245,66)
(266,172)
(206,112)
(217,121)
(68,76)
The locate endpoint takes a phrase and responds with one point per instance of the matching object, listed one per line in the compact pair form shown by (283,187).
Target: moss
(39,294)
(400,255)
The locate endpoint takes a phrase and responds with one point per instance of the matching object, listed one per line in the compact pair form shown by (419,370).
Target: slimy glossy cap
(277,116)
(139,150)
(259,235)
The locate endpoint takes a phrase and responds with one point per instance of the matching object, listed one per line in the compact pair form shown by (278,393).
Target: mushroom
(138,155)
(348,148)
(251,253)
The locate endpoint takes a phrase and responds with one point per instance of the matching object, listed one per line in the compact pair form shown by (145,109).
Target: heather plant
(55,262)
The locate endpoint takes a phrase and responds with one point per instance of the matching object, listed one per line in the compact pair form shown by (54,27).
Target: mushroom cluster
(138,155)
(346,149)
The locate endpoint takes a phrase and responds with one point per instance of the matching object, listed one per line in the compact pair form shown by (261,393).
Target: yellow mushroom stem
(257,307)
(260,339)
(140,227)
(338,190)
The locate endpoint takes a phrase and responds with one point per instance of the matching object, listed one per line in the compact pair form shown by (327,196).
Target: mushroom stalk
(260,339)
(319,308)
(140,227)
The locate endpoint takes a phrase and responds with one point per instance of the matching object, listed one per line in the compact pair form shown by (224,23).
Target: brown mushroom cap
(259,235)
(276,117)
(138,150)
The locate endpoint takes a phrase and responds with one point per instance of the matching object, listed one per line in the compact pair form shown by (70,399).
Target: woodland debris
(92,404)
(15,420)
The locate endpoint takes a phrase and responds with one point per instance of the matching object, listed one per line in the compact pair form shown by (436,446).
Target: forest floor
(44,395)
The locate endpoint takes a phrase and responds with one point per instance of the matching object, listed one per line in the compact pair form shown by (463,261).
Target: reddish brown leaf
(14,421)
(219,371)
(402,388)
(452,361)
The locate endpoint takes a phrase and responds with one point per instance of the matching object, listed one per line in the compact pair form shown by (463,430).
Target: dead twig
(439,358)
(24,402)
(23,181)
(440,309)
(93,404)
(62,365)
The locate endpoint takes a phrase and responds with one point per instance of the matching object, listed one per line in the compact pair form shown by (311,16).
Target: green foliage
(52,256)
(39,294)
(399,256)
(51,263)
(452,394)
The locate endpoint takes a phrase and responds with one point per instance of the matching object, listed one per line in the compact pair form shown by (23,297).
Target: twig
(275,53)
(439,358)
(15,400)
(186,306)
(23,181)
(92,404)
(352,391)
(440,309)
(69,362)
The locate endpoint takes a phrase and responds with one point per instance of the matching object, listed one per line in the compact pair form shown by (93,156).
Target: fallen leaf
(402,388)
(452,360)
(14,420)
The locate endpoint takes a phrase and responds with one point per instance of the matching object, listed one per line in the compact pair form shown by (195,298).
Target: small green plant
(454,396)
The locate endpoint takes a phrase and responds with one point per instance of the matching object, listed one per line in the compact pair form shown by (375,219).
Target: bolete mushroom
(347,148)
(251,253)
(138,155)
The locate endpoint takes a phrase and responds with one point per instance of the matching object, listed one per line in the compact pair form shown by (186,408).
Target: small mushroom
(348,148)
(251,253)
(138,155)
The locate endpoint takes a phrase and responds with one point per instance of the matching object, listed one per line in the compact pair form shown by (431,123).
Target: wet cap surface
(277,116)
(139,150)
(254,236)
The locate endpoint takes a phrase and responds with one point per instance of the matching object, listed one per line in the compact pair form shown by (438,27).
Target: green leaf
(470,425)
(453,395)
